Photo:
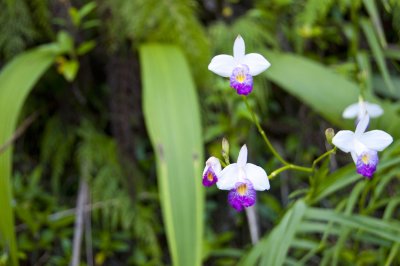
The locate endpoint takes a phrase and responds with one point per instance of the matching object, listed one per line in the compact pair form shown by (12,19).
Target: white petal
(256,63)
(242,158)
(228,177)
(344,140)
(359,147)
(222,65)
(257,176)
(354,156)
(362,125)
(373,110)
(214,163)
(238,48)
(376,140)
(351,111)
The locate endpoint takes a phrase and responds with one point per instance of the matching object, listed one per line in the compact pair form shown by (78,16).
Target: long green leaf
(388,230)
(16,81)
(377,52)
(172,116)
(327,92)
(273,249)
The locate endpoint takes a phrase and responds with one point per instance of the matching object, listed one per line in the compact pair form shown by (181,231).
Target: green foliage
(17,29)
(110,190)
(172,117)
(323,54)
(172,22)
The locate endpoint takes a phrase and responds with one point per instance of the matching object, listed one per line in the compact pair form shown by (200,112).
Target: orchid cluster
(243,179)
(363,146)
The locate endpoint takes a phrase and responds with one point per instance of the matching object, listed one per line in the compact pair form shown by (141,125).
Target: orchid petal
(242,158)
(222,65)
(344,140)
(256,63)
(228,177)
(354,156)
(257,176)
(238,49)
(359,147)
(362,125)
(373,110)
(215,165)
(351,111)
(376,140)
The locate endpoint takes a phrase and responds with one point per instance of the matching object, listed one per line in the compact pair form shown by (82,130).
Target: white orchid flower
(240,67)
(359,109)
(242,179)
(211,171)
(363,146)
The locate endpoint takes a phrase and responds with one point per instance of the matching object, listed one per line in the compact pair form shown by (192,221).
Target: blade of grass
(377,52)
(376,20)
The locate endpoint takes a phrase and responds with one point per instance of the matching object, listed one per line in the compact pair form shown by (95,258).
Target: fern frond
(16,28)
(169,21)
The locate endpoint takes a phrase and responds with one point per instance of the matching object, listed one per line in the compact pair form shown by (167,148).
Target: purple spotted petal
(366,163)
(242,196)
(209,177)
(241,80)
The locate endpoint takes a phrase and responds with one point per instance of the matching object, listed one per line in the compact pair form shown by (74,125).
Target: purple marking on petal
(209,177)
(242,196)
(241,80)
(366,163)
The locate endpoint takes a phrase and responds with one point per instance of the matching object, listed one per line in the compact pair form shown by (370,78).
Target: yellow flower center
(241,77)
(242,189)
(365,159)
(210,176)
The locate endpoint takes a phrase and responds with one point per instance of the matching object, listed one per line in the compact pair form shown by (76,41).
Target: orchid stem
(332,151)
(287,165)
(261,131)
(290,167)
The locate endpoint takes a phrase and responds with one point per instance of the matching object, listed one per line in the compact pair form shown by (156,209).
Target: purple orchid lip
(366,163)
(242,196)
(209,177)
(241,80)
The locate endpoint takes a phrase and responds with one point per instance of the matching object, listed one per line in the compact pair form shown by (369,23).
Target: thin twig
(88,235)
(253,225)
(79,222)
(20,130)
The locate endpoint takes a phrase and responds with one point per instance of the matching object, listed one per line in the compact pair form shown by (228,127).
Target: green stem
(287,165)
(261,131)
(322,157)
(290,167)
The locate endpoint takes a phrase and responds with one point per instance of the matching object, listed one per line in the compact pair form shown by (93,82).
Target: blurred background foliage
(88,124)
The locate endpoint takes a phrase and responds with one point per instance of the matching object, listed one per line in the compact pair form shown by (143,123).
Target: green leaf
(86,9)
(377,52)
(322,89)
(374,14)
(75,16)
(273,249)
(85,47)
(327,92)
(172,116)
(70,69)
(388,230)
(65,42)
(17,79)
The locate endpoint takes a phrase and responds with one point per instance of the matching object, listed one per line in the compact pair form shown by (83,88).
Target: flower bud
(329,134)
(225,150)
